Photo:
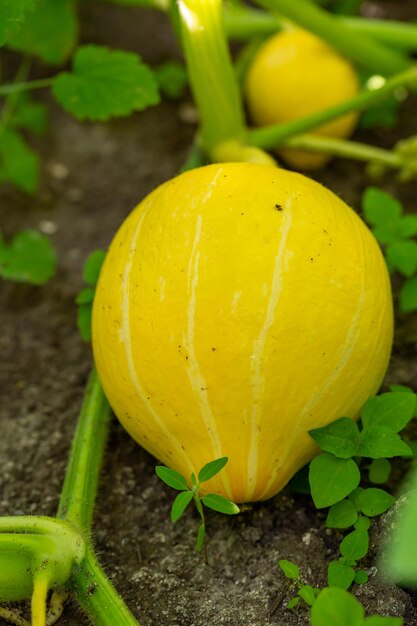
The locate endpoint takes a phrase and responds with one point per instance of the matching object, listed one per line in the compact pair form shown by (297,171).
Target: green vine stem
(80,485)
(97,595)
(271,136)
(211,72)
(29,85)
(243,22)
(364,50)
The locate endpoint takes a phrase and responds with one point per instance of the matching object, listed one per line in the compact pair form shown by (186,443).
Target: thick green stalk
(243,22)
(345,148)
(80,486)
(97,595)
(354,45)
(271,136)
(211,72)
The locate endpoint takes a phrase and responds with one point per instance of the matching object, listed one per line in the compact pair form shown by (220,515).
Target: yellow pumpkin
(240,306)
(295,74)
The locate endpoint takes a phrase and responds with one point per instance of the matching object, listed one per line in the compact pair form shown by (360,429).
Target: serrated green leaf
(84,315)
(390,410)
(343,514)
(361,577)
(29,115)
(355,545)
(332,479)
(379,471)
(12,16)
(171,478)
(340,438)
(379,442)
(105,83)
(50,33)
(290,570)
(374,501)
(30,258)
(336,607)
(92,267)
(402,256)
(408,295)
(220,504)
(181,502)
(306,592)
(172,79)
(340,575)
(18,163)
(211,469)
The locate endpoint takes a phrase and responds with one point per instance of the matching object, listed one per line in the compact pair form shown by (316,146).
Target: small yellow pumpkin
(295,74)
(240,306)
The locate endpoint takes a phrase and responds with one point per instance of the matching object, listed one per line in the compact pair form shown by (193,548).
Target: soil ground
(93,174)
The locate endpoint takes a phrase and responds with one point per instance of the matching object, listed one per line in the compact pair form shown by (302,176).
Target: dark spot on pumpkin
(279,207)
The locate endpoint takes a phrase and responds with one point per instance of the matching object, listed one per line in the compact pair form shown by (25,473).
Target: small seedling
(304,592)
(28,258)
(218,503)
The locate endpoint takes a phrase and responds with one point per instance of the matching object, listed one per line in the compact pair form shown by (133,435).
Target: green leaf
(18,163)
(407,226)
(401,389)
(379,471)
(402,256)
(211,469)
(340,575)
(92,267)
(105,83)
(171,478)
(363,523)
(383,115)
(401,554)
(343,514)
(361,577)
(29,258)
(392,410)
(383,212)
(84,315)
(332,479)
(293,603)
(353,497)
(408,295)
(355,545)
(299,482)
(378,442)
(85,296)
(374,501)
(29,115)
(50,32)
(220,504)
(291,570)
(172,79)
(12,15)
(336,607)
(379,620)
(200,537)
(306,592)
(340,438)
(181,502)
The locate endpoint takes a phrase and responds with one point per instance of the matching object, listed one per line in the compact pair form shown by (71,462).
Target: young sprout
(218,503)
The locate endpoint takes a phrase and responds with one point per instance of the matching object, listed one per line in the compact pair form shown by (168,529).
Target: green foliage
(379,471)
(374,501)
(218,503)
(341,438)
(340,574)
(29,258)
(12,15)
(402,549)
(336,607)
(394,230)
(172,79)
(331,479)
(105,83)
(355,545)
(85,297)
(290,569)
(50,32)
(343,514)
(18,163)
(29,115)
